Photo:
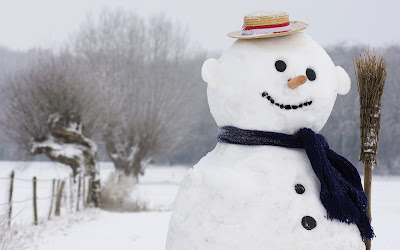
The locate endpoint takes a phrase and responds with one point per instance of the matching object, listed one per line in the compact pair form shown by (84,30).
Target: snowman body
(263,197)
(241,197)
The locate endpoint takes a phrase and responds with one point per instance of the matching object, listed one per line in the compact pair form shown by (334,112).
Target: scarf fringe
(339,207)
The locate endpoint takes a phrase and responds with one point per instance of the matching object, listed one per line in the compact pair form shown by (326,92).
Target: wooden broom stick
(371,75)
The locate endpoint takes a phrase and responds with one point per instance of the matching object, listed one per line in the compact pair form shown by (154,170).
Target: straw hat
(263,24)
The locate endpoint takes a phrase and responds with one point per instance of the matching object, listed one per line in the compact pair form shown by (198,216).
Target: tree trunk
(95,198)
(65,135)
(133,166)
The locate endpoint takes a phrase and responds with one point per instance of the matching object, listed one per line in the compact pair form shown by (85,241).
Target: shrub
(116,194)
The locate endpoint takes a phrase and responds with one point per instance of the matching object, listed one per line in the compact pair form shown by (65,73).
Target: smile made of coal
(284,106)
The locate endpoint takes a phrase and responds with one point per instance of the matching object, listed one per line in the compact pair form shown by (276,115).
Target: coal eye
(280,65)
(311,74)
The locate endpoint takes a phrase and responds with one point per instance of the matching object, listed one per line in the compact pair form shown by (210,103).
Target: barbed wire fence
(77,199)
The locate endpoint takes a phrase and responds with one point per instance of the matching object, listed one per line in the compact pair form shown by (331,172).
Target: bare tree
(140,65)
(47,110)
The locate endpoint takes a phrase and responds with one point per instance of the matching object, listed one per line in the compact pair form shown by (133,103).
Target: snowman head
(276,84)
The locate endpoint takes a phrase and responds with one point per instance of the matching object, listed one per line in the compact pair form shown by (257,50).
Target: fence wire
(31,199)
(26,180)
(70,199)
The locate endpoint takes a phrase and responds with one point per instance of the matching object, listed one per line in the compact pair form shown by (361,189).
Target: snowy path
(118,231)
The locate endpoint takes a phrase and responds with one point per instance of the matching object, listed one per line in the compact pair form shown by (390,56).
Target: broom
(371,75)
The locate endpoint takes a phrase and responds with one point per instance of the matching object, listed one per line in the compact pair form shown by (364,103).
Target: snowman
(271,182)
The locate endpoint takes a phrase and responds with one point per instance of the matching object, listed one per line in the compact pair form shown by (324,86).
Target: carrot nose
(297,81)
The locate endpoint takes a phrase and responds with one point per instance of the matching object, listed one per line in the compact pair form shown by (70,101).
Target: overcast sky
(47,23)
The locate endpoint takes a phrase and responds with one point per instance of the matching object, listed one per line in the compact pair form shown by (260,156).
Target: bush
(116,195)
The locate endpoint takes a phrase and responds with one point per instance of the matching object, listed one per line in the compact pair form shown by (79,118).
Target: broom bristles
(371,75)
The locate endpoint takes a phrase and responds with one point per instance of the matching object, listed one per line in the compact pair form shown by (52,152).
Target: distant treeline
(341,130)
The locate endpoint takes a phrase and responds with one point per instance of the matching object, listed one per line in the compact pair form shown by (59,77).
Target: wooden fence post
(83,193)
(10,197)
(65,197)
(59,196)
(58,185)
(57,189)
(34,202)
(52,197)
(79,192)
(89,191)
(71,193)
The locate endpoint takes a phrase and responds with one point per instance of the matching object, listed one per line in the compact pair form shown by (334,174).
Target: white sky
(47,23)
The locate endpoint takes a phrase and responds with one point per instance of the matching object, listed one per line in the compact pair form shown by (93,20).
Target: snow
(66,149)
(102,230)
(159,187)
(122,231)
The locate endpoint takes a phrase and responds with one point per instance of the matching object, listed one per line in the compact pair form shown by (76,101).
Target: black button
(299,189)
(308,222)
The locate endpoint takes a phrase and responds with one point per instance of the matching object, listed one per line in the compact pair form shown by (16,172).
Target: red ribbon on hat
(266,29)
(266,26)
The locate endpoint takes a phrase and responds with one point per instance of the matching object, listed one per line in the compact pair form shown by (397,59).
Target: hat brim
(294,25)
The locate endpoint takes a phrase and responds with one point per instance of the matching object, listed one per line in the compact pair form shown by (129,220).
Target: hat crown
(263,24)
(260,18)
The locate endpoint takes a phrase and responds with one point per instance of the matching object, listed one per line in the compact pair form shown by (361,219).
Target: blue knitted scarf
(341,191)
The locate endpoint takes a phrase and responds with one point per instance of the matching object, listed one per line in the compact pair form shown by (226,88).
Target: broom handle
(367,190)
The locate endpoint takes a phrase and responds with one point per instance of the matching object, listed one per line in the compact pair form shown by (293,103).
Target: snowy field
(98,229)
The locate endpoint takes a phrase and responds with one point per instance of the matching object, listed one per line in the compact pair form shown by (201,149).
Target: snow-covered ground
(108,230)
(98,229)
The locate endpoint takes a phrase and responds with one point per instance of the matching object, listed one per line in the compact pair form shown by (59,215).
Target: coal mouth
(284,106)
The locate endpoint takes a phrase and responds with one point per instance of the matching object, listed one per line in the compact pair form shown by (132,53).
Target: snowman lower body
(258,197)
